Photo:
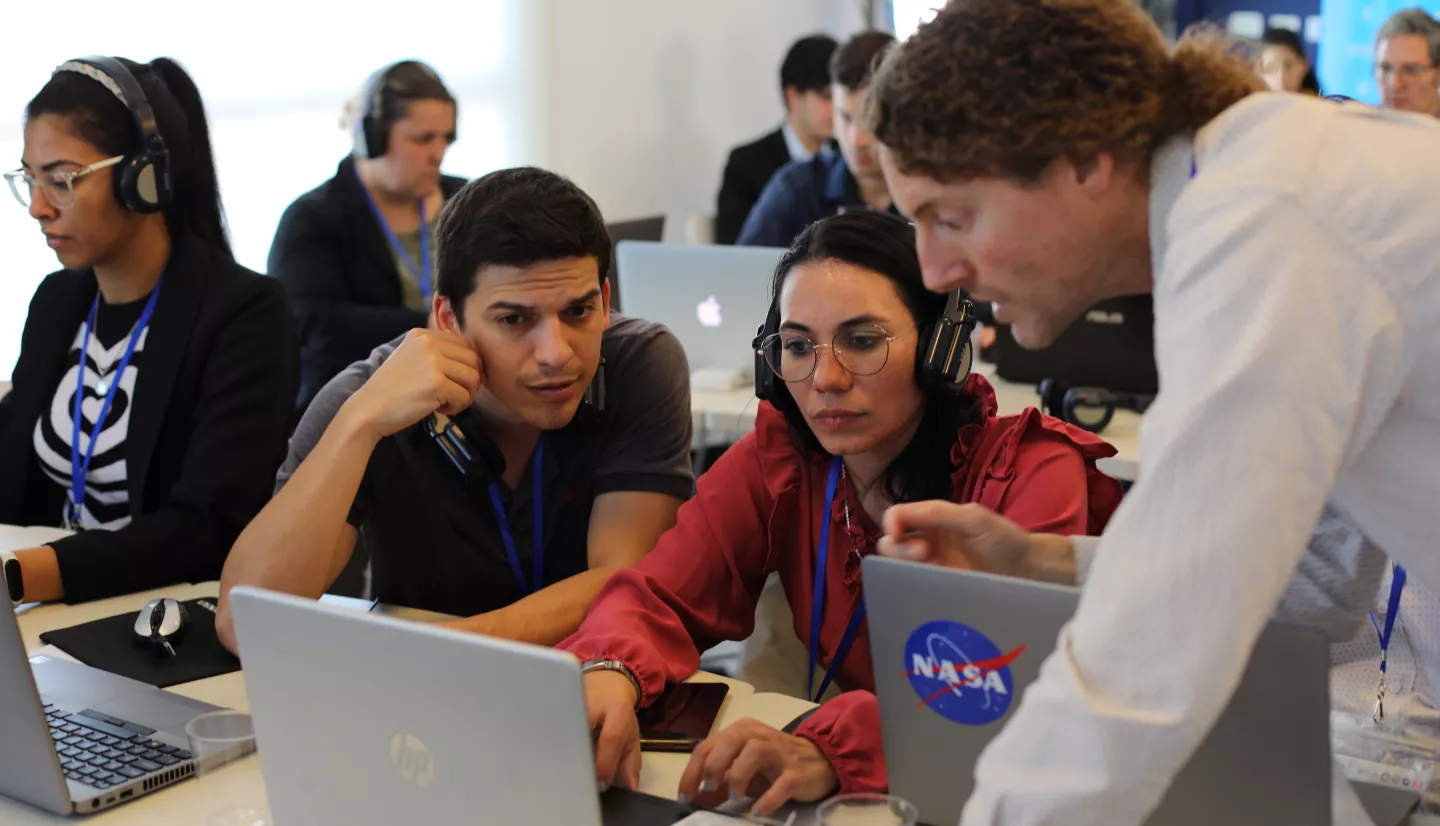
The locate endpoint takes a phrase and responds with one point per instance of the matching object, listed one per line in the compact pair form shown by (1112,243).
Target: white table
(723,417)
(179,804)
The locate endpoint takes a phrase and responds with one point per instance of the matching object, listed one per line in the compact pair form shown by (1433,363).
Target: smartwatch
(10,577)
(614,665)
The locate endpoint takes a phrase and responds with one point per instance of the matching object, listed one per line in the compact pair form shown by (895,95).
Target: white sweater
(1297,319)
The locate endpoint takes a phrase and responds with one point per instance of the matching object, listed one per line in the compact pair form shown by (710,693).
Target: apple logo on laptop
(412,758)
(708,311)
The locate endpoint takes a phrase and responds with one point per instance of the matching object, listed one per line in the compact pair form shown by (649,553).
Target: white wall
(648,96)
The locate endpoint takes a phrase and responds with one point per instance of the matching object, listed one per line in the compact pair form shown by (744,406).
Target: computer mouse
(162,624)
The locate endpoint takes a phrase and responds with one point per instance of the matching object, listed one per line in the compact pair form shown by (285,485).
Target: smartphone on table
(682,717)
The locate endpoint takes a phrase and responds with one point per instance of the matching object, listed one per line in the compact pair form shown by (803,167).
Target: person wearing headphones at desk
(855,417)
(355,252)
(152,395)
(1289,243)
(560,452)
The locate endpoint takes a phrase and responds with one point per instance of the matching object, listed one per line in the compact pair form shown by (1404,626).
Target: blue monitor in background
(1347,43)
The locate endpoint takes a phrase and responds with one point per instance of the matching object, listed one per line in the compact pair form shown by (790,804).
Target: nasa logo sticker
(959,673)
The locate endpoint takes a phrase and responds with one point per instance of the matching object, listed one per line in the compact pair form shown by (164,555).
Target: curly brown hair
(1002,88)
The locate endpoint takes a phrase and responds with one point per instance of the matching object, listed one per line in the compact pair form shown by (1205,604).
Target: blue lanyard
(538,507)
(817,603)
(422,273)
(1392,610)
(80,468)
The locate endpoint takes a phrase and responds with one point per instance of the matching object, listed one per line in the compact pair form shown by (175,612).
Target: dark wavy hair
(1290,40)
(99,118)
(884,244)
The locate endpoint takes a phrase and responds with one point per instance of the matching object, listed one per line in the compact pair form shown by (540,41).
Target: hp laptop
(954,650)
(77,739)
(712,298)
(1112,347)
(362,719)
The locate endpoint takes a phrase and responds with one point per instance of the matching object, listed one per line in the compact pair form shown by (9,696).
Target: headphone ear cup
(377,137)
(142,183)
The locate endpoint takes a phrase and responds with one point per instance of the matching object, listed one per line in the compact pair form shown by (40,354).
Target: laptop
(363,719)
(1267,760)
(640,229)
(77,739)
(713,298)
(1112,347)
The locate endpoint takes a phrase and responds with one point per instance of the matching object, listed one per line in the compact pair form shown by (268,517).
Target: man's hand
(430,371)
(751,759)
(972,537)
(610,704)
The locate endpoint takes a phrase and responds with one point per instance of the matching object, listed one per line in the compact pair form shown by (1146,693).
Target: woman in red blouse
(852,417)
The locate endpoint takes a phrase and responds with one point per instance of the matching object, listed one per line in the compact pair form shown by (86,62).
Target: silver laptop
(78,739)
(713,298)
(363,719)
(954,650)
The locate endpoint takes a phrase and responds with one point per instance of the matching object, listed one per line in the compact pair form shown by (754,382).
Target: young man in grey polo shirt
(530,411)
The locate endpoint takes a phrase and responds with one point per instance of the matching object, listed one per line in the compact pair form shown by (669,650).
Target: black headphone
(941,363)
(476,456)
(142,181)
(369,132)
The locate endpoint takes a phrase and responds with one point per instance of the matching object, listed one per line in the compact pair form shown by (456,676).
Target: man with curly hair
(1054,153)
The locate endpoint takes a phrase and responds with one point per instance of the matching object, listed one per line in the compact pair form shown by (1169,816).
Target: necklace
(845,503)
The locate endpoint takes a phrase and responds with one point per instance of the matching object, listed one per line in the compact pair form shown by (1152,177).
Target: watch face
(13,585)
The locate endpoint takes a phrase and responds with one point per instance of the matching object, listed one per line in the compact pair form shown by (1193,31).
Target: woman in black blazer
(354,252)
(187,361)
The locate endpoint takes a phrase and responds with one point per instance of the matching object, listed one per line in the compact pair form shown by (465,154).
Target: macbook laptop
(362,719)
(75,739)
(713,298)
(1267,760)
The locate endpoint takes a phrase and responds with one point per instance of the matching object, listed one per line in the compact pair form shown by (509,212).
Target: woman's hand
(751,759)
(610,705)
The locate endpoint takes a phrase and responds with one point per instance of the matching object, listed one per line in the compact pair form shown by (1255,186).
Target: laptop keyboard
(103,751)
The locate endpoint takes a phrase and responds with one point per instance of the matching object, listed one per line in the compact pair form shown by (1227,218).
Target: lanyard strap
(1392,610)
(80,467)
(538,507)
(817,602)
(421,272)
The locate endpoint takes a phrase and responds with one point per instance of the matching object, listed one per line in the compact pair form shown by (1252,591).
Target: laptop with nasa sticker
(954,651)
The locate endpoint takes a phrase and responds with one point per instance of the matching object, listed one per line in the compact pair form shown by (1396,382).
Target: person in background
(356,252)
(805,85)
(806,191)
(1106,164)
(578,423)
(1283,64)
(152,396)
(853,413)
(1407,52)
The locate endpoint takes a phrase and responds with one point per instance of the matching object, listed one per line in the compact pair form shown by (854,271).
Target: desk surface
(181,804)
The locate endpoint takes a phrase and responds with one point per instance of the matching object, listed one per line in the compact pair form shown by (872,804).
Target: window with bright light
(275,79)
(910,14)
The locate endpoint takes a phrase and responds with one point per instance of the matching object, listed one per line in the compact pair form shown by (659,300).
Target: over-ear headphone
(369,130)
(477,457)
(142,181)
(942,361)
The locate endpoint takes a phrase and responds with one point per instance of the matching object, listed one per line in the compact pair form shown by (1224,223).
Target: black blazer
(339,270)
(746,173)
(207,427)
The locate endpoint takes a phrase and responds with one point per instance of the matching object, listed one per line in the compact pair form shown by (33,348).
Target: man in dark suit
(805,83)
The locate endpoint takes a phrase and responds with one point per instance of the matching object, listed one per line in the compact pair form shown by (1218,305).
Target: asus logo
(1102,317)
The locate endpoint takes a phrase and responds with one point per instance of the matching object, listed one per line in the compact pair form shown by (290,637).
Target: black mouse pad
(109,644)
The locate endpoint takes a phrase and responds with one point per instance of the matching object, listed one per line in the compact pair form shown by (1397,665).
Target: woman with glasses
(852,429)
(150,403)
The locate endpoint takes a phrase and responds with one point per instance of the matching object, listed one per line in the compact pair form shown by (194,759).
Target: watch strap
(615,665)
(14,590)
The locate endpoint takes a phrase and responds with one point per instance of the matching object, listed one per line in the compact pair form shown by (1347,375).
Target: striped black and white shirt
(107,497)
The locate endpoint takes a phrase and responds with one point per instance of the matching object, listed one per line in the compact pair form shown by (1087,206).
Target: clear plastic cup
(868,810)
(218,740)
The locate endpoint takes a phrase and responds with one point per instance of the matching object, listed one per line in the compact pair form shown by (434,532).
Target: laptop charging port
(127,794)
